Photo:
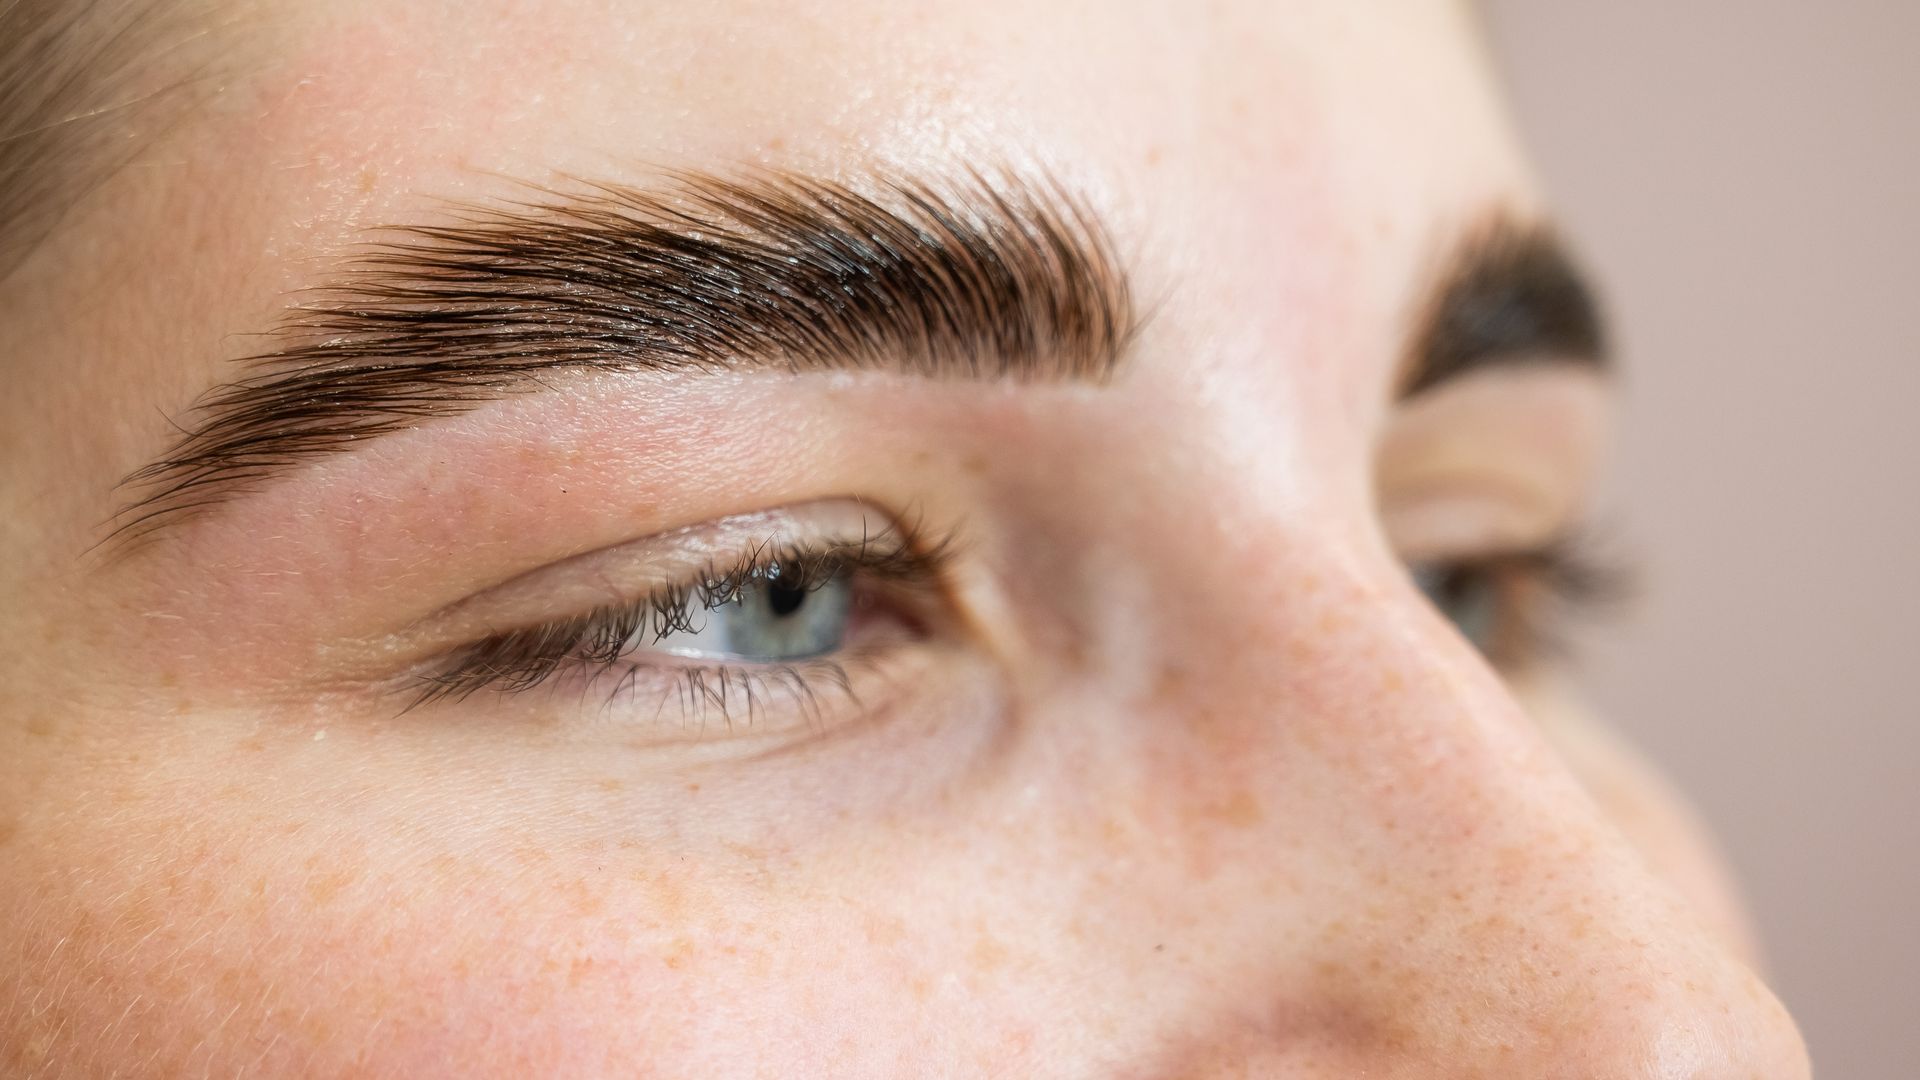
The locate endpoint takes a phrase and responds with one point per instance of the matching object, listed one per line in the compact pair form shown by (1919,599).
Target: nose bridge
(1464,900)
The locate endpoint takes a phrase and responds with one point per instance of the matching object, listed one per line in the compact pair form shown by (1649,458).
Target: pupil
(784,600)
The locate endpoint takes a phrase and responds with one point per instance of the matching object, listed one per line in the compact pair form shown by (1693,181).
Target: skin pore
(1136,749)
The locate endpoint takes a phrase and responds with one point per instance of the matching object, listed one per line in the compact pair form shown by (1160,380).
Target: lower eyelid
(663,704)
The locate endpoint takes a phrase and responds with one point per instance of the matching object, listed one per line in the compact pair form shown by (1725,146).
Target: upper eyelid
(614,576)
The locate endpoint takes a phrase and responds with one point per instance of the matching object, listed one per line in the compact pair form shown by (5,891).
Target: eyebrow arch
(993,275)
(1509,292)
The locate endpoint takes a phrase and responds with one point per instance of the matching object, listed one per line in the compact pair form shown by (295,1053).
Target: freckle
(693,789)
(988,954)
(251,745)
(1302,650)
(40,1047)
(682,949)
(8,830)
(367,178)
(975,465)
(776,143)
(883,931)
(584,900)
(1392,683)
(922,988)
(577,971)
(610,784)
(1241,810)
(39,726)
(1171,683)
(669,899)
(327,886)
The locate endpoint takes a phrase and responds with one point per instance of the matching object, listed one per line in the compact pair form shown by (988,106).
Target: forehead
(1270,100)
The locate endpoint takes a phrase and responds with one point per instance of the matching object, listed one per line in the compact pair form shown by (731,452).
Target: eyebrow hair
(993,276)
(1509,293)
(989,276)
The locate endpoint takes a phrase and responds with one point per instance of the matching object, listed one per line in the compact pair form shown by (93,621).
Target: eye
(1519,608)
(1468,594)
(759,614)
(773,615)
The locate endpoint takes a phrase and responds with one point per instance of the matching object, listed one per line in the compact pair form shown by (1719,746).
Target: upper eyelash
(1577,577)
(518,660)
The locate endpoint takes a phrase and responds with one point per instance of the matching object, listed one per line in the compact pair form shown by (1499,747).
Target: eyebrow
(992,275)
(1509,293)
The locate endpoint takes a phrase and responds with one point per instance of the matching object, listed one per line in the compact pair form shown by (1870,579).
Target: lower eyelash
(738,694)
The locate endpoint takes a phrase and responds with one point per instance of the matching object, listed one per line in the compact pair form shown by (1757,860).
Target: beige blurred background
(1744,176)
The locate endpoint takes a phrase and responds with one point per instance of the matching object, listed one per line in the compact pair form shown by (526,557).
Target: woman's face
(863,540)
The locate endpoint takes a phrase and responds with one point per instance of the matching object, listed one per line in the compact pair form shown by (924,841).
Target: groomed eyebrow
(993,275)
(1509,292)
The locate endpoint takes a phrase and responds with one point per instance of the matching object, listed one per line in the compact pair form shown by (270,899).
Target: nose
(1471,911)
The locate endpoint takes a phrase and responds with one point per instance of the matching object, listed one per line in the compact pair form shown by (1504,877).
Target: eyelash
(600,642)
(1536,597)
(1539,596)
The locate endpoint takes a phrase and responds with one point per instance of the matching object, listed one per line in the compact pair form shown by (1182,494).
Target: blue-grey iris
(768,620)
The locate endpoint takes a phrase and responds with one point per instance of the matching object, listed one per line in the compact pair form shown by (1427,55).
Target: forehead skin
(1145,873)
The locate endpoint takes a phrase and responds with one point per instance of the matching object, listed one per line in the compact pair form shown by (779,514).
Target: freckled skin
(1198,787)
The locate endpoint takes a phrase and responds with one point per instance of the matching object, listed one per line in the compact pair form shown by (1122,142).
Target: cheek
(194,952)
(279,928)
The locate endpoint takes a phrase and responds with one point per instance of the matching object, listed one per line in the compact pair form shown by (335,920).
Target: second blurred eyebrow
(981,277)
(1508,292)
